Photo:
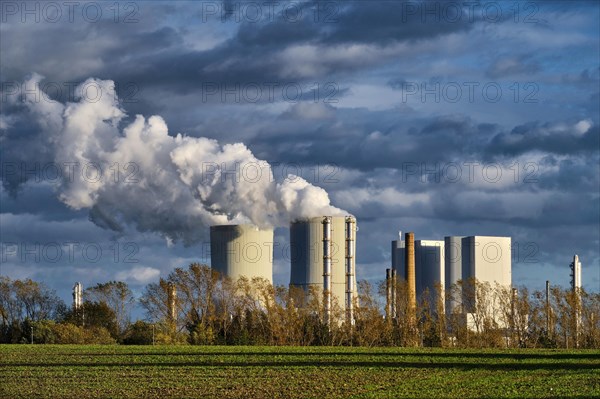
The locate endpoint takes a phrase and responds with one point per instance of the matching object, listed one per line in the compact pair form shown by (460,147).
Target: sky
(442,118)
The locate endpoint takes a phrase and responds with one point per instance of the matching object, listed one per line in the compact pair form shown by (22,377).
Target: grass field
(53,371)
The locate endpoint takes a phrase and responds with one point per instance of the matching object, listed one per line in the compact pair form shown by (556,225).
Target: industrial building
(428,265)
(323,256)
(242,250)
(486,259)
(429,269)
(489,259)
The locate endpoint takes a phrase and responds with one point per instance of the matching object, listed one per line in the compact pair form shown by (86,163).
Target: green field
(62,371)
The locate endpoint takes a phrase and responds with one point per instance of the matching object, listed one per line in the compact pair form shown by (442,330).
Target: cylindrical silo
(307,256)
(242,250)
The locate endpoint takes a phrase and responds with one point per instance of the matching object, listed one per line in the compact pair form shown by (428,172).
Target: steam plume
(173,185)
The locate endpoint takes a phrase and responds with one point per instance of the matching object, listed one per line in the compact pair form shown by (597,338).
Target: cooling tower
(307,255)
(242,250)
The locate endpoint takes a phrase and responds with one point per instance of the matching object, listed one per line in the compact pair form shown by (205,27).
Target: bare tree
(118,296)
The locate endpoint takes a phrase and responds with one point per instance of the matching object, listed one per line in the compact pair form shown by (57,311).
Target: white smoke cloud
(173,185)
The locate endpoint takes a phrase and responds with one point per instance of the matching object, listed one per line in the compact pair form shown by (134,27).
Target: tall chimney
(350,265)
(77,296)
(172,302)
(394,280)
(327,268)
(576,287)
(409,242)
(547,307)
(388,294)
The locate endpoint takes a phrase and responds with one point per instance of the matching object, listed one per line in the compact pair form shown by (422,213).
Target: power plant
(242,250)
(323,260)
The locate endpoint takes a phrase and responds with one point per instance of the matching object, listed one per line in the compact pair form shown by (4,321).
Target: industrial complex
(323,260)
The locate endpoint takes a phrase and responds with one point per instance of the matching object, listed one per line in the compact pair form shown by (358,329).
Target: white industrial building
(242,250)
(488,260)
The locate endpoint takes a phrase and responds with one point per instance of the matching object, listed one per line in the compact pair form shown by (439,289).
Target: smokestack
(172,303)
(350,265)
(409,242)
(327,268)
(388,294)
(547,307)
(576,287)
(394,280)
(77,296)
(575,273)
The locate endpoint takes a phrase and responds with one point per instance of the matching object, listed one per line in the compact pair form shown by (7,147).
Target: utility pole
(31,335)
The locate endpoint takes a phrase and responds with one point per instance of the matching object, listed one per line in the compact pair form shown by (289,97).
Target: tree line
(195,305)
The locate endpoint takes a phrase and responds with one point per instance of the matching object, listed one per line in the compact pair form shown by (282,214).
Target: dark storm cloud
(23,155)
(173,52)
(545,137)
(391,21)
(367,140)
(253,54)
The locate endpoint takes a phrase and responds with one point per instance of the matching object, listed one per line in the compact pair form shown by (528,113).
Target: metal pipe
(350,265)
(394,282)
(388,294)
(409,243)
(327,268)
(172,302)
(576,286)
(547,307)
(77,296)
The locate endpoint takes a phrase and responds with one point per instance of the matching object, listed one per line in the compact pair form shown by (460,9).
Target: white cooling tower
(242,250)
